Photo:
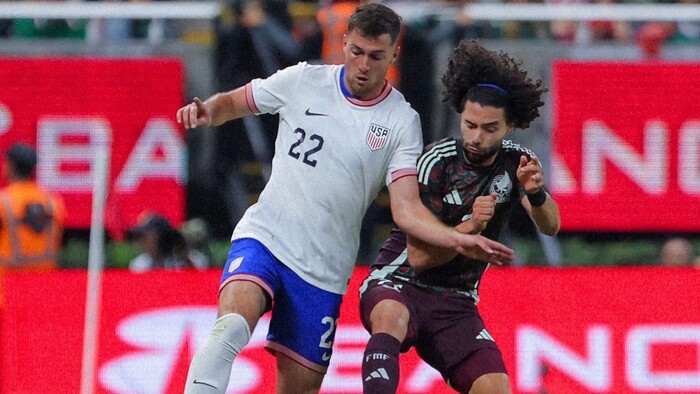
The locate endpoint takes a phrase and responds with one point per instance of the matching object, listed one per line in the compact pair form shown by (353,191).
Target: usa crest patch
(377,136)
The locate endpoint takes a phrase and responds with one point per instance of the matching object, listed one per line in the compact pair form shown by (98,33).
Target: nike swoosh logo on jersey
(206,384)
(309,113)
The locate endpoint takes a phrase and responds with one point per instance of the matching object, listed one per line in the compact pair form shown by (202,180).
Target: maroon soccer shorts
(446,331)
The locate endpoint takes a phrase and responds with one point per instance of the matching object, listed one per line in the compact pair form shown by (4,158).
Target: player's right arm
(216,110)
(423,255)
(411,216)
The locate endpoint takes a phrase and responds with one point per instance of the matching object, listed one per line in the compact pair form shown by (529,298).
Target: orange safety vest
(334,24)
(25,243)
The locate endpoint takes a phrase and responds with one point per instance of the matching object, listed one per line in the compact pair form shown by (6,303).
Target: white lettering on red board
(53,152)
(689,158)
(602,146)
(5,119)
(159,153)
(594,370)
(638,360)
(157,336)
(534,346)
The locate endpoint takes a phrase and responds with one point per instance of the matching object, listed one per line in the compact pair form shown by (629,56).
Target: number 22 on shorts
(327,337)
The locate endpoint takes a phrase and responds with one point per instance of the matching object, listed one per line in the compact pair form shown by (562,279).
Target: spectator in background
(113,30)
(651,38)
(49,28)
(685,31)
(565,30)
(120,30)
(595,31)
(333,17)
(162,246)
(524,30)
(676,252)
(31,219)
(197,237)
(272,45)
(5,28)
(250,43)
(467,28)
(607,30)
(306,29)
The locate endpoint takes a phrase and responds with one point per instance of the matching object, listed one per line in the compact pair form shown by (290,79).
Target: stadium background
(620,134)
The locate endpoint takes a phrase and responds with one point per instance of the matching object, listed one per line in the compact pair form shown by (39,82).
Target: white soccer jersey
(332,156)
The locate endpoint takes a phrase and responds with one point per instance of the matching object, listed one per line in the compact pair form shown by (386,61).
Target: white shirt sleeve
(404,160)
(269,95)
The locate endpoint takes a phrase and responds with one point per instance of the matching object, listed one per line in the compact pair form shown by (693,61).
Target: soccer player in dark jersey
(421,296)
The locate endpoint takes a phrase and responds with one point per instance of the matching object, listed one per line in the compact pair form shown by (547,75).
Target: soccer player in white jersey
(344,132)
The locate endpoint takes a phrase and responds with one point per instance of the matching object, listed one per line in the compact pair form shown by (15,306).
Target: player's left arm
(538,204)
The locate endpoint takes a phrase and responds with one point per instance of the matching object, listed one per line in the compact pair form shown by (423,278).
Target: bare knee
(390,317)
(244,298)
(491,383)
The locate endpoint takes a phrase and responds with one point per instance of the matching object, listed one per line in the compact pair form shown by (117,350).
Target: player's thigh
(294,378)
(483,372)
(384,309)
(491,383)
(244,298)
(249,280)
(304,321)
(453,335)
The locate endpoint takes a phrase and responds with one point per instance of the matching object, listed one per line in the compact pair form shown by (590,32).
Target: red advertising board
(578,330)
(67,107)
(626,146)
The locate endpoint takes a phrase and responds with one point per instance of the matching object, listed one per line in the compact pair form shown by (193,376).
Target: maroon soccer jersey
(448,187)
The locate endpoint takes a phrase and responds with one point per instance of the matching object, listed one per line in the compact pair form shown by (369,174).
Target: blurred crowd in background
(300,20)
(254,38)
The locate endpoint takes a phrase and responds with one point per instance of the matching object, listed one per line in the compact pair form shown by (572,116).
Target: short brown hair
(374,19)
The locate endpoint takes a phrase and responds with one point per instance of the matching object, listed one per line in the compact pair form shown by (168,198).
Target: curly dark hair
(492,78)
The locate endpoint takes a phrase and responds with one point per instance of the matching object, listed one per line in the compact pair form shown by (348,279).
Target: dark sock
(380,365)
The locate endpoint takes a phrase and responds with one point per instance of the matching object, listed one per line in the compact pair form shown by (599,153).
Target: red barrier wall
(66,106)
(593,330)
(626,146)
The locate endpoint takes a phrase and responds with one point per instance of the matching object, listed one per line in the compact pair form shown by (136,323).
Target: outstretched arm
(411,216)
(426,255)
(538,204)
(216,110)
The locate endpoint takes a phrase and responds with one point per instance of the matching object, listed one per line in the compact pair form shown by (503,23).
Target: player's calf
(210,369)
(380,365)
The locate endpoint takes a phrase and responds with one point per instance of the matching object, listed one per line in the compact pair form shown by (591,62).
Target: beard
(482,157)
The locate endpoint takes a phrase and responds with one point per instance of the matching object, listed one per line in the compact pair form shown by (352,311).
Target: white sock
(210,368)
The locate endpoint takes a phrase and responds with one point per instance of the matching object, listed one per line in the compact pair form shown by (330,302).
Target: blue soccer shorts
(304,317)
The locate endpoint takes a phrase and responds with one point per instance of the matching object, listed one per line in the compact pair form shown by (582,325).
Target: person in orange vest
(31,219)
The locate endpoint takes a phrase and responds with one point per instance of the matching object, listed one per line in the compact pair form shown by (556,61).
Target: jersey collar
(363,103)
